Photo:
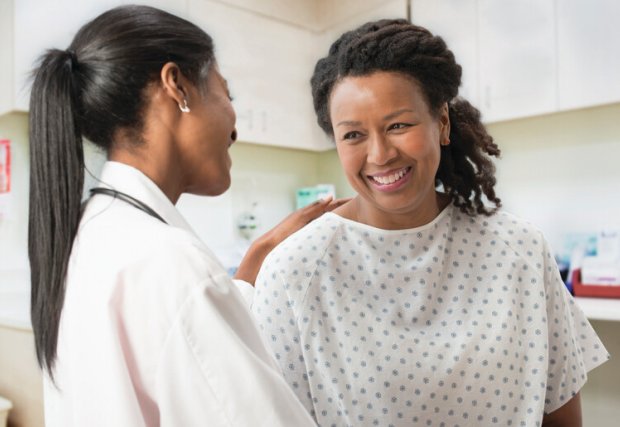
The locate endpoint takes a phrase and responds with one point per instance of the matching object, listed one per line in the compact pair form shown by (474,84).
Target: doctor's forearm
(253,259)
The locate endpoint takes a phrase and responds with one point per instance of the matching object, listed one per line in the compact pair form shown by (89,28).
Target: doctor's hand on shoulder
(251,263)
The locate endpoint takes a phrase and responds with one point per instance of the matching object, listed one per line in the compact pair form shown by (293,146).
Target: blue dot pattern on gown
(461,322)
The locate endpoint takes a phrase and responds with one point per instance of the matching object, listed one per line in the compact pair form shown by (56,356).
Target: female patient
(135,322)
(419,301)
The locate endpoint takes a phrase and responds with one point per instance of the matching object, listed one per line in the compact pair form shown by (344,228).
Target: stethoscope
(127,199)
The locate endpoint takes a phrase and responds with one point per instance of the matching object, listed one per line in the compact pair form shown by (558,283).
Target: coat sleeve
(215,370)
(246,290)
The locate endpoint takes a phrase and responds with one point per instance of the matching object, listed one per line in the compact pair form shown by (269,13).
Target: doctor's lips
(389,177)
(233,137)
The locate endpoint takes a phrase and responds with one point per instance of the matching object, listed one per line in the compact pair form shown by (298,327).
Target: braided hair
(465,171)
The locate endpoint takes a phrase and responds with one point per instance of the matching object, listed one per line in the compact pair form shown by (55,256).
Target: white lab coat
(153,331)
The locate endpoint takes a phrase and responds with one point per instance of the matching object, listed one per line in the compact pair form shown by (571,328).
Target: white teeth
(390,179)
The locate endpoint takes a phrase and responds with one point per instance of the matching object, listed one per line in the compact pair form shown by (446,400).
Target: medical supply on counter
(608,244)
(247,225)
(600,270)
(598,274)
(581,289)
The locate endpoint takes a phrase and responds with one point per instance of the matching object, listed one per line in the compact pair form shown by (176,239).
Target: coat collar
(131,181)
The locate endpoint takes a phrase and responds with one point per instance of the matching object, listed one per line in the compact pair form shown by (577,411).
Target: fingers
(318,208)
(329,203)
(318,205)
(314,210)
(323,201)
(337,203)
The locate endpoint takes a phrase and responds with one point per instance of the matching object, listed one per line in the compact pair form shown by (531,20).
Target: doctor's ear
(175,85)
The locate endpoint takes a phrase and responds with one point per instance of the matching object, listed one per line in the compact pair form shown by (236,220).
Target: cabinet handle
(264,120)
(246,117)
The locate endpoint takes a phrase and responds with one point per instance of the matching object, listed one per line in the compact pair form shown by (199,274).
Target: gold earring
(184,108)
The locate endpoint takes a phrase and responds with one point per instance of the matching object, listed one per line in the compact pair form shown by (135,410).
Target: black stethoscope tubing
(127,199)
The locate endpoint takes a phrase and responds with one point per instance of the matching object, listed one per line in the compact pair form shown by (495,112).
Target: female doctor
(135,322)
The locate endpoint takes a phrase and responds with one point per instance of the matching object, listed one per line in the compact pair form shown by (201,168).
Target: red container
(581,290)
(5,165)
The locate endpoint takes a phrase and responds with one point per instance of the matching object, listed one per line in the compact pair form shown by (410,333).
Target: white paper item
(600,271)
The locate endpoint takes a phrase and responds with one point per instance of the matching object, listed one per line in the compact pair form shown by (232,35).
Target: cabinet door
(588,52)
(60,19)
(517,58)
(338,22)
(6,56)
(41,25)
(456,22)
(268,68)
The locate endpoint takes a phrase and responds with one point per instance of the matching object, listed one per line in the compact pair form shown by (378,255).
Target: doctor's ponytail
(56,182)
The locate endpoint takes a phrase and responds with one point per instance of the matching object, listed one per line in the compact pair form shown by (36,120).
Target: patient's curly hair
(466,170)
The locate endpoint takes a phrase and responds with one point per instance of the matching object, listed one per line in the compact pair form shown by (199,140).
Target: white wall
(560,171)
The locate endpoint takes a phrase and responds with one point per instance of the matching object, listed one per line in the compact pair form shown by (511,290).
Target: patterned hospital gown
(461,322)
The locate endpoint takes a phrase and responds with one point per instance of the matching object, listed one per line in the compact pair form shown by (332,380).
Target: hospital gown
(461,322)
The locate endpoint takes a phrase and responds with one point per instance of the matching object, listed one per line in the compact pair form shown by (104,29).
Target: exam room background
(558,170)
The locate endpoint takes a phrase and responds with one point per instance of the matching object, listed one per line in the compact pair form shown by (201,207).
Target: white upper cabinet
(268,62)
(268,68)
(6,57)
(506,49)
(40,25)
(347,15)
(523,58)
(520,57)
(588,52)
(518,70)
(456,22)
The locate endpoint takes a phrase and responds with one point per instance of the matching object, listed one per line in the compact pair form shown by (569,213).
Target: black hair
(93,89)
(466,170)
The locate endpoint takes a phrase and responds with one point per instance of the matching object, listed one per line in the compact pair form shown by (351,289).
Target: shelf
(600,308)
